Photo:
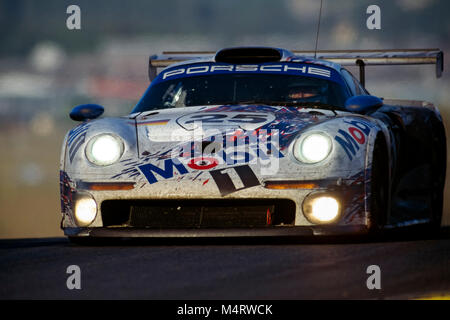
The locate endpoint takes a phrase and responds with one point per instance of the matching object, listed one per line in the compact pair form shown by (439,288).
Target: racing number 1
(225,183)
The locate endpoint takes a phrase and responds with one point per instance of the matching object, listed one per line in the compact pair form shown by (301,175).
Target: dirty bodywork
(232,169)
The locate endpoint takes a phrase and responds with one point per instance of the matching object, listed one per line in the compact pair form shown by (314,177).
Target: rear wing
(171,57)
(359,58)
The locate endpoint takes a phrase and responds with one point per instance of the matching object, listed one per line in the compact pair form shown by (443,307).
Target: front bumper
(353,219)
(353,196)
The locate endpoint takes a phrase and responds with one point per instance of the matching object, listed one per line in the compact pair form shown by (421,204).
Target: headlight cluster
(104,149)
(312,147)
(321,208)
(85,211)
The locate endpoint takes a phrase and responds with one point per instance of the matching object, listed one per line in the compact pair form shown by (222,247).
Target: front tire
(439,168)
(379,186)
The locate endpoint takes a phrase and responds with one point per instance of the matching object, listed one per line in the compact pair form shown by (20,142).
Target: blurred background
(46,69)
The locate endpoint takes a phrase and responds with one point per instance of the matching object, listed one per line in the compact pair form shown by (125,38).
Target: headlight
(313,147)
(321,208)
(104,149)
(85,211)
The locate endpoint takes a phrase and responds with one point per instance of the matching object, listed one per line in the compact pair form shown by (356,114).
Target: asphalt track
(413,264)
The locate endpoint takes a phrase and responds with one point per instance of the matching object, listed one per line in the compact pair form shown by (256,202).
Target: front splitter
(296,231)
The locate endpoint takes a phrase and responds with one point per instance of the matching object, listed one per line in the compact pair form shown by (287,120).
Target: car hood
(160,129)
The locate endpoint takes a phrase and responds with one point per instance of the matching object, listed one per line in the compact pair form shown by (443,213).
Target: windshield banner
(288,68)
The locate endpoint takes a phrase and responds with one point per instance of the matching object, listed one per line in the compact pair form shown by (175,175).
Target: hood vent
(248,55)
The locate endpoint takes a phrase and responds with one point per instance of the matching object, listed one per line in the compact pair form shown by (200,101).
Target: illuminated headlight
(104,149)
(321,208)
(85,211)
(313,147)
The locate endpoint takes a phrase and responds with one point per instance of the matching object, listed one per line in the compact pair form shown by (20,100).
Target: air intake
(248,55)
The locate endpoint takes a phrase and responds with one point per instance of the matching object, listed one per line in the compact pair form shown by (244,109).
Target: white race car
(255,142)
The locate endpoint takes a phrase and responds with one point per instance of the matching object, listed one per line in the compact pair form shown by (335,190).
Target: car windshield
(221,89)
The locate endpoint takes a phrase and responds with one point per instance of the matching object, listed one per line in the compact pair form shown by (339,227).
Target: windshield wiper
(317,105)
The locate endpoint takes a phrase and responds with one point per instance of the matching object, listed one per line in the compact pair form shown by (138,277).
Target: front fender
(75,162)
(354,139)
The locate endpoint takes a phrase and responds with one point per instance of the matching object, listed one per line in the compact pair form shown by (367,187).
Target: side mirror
(363,104)
(86,112)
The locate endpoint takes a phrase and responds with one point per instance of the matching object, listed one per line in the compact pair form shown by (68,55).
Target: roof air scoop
(249,55)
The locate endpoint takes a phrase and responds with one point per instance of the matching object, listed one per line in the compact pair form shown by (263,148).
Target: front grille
(197,213)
